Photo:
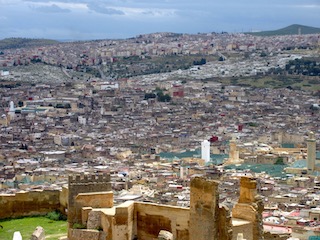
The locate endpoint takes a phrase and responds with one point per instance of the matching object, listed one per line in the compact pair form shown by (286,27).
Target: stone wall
(204,208)
(84,184)
(152,218)
(29,203)
(273,236)
(250,208)
(205,220)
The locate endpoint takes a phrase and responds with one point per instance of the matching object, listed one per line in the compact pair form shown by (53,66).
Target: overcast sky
(101,19)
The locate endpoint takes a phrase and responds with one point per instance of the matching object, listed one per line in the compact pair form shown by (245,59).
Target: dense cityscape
(156,115)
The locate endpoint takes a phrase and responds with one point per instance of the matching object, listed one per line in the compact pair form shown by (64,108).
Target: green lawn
(26,226)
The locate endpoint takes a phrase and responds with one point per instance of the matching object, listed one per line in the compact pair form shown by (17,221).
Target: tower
(11,112)
(311,152)
(205,151)
(233,153)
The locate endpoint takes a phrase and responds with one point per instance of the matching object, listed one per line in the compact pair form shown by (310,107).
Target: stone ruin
(91,214)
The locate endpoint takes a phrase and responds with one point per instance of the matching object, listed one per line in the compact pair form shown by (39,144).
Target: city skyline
(85,20)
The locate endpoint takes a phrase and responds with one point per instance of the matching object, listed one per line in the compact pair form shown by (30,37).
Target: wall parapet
(83,179)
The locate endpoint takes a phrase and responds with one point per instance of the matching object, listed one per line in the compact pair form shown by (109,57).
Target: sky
(114,19)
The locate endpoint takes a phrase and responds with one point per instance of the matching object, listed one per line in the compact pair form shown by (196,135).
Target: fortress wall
(151,218)
(29,203)
(84,184)
(63,198)
(124,221)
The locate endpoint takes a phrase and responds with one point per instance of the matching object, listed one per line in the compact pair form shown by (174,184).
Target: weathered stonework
(94,220)
(38,234)
(29,203)
(250,208)
(165,235)
(152,218)
(84,184)
(77,234)
(225,223)
(204,208)
(271,236)
(205,220)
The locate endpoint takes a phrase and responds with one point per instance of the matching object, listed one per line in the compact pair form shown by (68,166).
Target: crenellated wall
(84,184)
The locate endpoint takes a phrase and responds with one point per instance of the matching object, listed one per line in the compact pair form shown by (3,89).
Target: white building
(205,150)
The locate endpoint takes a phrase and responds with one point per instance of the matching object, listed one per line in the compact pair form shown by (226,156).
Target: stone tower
(311,152)
(84,184)
(233,153)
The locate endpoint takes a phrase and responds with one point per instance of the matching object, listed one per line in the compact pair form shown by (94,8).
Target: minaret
(11,112)
(205,151)
(311,152)
(233,153)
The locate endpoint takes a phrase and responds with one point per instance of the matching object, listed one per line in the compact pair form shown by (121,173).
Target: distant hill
(8,43)
(290,30)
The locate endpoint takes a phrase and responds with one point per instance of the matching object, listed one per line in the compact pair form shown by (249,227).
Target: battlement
(86,179)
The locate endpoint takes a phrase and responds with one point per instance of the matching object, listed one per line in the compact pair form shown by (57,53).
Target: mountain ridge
(20,42)
(293,29)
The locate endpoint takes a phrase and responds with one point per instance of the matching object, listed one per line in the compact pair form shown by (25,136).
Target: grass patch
(26,226)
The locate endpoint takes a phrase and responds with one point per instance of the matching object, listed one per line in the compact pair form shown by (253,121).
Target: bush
(279,161)
(56,216)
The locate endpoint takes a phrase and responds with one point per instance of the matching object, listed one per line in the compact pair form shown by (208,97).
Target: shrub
(56,216)
(279,161)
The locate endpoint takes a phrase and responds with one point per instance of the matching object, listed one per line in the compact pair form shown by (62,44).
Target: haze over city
(85,20)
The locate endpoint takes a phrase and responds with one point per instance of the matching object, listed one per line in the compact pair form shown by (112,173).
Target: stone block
(95,199)
(38,234)
(63,238)
(17,236)
(77,234)
(85,214)
(165,235)
(94,220)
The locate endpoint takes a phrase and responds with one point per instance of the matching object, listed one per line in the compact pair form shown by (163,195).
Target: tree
(164,97)
(201,62)
(279,161)
(149,95)
(263,54)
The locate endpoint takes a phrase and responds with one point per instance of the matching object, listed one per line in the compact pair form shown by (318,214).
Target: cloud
(9,2)
(52,9)
(310,6)
(103,9)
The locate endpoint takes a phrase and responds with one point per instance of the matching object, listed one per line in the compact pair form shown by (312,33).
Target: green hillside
(8,43)
(290,30)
